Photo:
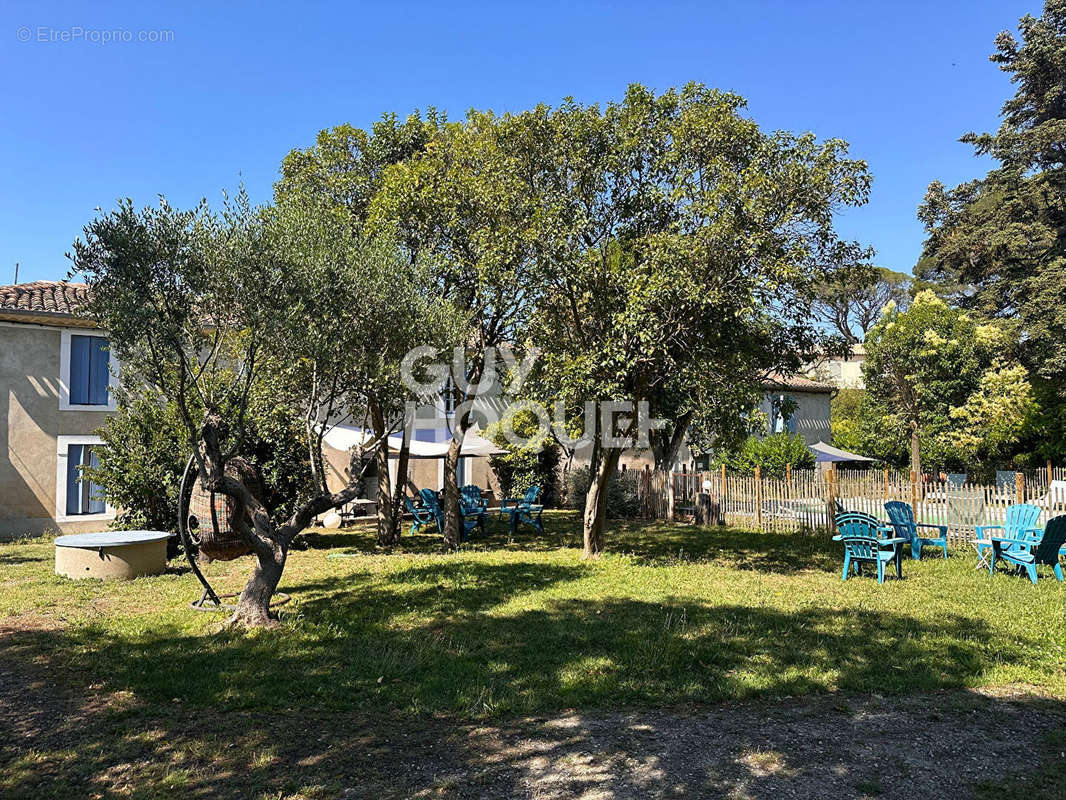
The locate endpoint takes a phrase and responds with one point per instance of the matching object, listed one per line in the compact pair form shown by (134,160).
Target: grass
(386,655)
(672,615)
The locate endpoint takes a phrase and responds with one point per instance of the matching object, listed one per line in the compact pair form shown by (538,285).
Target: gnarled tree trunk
(453,520)
(253,607)
(381,460)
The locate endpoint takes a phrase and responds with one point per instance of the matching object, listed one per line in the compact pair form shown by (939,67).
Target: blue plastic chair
(863,545)
(432,503)
(472,504)
(422,516)
(1019,524)
(1044,551)
(523,509)
(902,519)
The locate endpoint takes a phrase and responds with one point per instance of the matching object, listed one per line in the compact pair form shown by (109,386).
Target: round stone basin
(119,555)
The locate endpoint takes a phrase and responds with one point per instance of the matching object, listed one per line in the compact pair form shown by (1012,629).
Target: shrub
(770,455)
(146,448)
(623,492)
(536,463)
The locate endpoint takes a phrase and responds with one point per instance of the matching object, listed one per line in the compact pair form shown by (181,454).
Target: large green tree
(682,248)
(344,171)
(999,243)
(929,373)
(465,209)
(850,299)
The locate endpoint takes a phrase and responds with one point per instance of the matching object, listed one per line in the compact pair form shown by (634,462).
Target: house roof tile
(777,380)
(44,297)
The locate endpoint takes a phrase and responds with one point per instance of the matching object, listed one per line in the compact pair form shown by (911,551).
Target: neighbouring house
(809,401)
(56,377)
(843,372)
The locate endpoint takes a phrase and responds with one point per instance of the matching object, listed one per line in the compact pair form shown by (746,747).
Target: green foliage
(859,425)
(995,417)
(922,363)
(659,290)
(770,454)
(534,463)
(623,492)
(140,469)
(851,297)
(998,244)
(147,447)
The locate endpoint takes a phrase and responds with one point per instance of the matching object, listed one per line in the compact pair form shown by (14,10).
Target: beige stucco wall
(30,421)
(424,473)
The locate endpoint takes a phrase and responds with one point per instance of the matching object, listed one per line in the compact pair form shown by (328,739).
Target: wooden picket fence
(806,500)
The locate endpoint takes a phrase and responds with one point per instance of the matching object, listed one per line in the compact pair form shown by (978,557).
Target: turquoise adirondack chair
(432,504)
(1044,551)
(902,519)
(1020,523)
(422,516)
(862,544)
(523,509)
(472,504)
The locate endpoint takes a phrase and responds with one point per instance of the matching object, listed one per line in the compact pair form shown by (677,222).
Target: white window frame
(63,444)
(64,373)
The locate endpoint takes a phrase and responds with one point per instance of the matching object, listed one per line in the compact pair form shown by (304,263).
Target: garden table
(982,557)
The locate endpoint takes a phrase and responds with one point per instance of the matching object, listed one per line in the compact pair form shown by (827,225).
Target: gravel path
(924,746)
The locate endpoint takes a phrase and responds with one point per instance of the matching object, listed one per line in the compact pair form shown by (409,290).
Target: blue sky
(239,85)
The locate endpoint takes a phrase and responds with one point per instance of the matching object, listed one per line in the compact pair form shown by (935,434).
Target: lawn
(673,617)
(673,614)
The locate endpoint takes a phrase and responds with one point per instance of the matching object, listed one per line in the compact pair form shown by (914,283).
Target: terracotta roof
(47,297)
(776,380)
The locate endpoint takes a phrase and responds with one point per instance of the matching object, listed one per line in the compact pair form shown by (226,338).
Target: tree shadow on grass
(14,560)
(472,638)
(236,716)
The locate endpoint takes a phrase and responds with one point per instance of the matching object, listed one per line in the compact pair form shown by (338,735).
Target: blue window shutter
(99,376)
(73,484)
(790,423)
(79,369)
(96,497)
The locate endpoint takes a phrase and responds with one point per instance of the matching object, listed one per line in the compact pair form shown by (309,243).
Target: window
(76,496)
(784,414)
(86,373)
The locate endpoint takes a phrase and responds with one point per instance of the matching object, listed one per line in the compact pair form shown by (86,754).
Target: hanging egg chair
(210,515)
(205,525)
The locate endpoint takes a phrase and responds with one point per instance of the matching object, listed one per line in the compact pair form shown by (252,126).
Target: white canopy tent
(345,437)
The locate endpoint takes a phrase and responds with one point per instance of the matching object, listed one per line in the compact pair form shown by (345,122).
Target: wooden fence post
(1019,487)
(830,496)
(758,498)
(788,472)
(914,492)
(723,486)
(884,492)
(1050,472)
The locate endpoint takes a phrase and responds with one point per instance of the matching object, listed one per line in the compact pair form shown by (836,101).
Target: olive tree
(211,308)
